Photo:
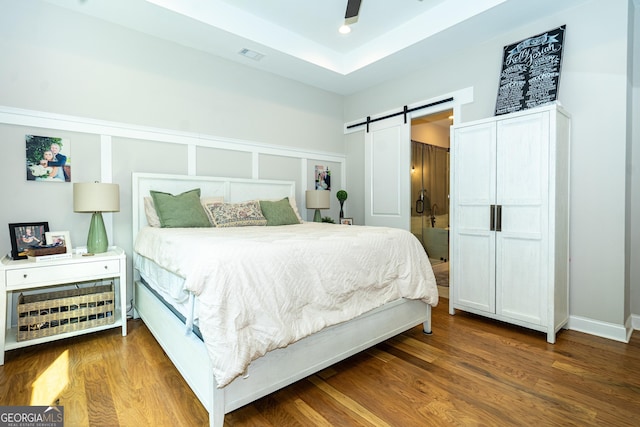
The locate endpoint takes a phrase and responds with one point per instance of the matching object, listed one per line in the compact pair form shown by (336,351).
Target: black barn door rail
(405,111)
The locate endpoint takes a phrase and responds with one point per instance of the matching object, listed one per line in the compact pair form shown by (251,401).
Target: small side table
(22,275)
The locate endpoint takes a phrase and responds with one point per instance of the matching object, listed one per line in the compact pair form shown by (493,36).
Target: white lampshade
(96,197)
(318,199)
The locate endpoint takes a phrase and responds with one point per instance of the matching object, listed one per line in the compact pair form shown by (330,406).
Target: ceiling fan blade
(353,8)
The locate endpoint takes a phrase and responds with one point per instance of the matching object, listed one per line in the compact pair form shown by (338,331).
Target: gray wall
(62,63)
(58,61)
(635,171)
(595,87)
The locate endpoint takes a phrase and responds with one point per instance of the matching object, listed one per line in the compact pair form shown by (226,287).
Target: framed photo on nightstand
(26,235)
(59,238)
(346,221)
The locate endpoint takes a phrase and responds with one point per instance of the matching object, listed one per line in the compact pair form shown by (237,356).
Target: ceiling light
(251,54)
(344,29)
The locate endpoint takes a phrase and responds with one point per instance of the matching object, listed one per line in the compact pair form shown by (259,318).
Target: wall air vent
(251,54)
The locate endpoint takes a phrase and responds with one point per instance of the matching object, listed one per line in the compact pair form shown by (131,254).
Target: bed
(186,282)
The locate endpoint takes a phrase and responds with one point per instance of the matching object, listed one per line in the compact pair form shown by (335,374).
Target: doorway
(430,144)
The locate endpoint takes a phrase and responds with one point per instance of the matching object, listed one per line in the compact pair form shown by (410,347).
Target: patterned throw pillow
(207,201)
(236,214)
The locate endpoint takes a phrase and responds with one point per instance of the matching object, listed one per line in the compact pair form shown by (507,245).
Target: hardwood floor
(471,371)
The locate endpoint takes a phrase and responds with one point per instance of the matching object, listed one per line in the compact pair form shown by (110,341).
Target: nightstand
(23,275)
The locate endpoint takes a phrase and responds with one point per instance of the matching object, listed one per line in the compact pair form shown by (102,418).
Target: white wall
(593,88)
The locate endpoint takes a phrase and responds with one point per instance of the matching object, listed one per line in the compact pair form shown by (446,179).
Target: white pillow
(150,211)
(292,201)
(152,216)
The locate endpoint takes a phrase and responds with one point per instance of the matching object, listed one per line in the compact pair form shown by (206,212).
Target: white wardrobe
(509,230)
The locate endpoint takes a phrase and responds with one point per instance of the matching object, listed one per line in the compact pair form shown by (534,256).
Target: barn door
(387,173)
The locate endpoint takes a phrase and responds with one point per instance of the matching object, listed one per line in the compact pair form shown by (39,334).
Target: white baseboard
(635,321)
(612,331)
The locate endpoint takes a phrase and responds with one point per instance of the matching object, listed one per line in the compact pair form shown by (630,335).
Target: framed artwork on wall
(48,159)
(26,235)
(530,72)
(323,178)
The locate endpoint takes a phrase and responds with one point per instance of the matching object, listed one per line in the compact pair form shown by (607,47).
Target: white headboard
(232,189)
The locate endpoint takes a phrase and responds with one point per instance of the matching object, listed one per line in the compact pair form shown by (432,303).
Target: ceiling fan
(351,15)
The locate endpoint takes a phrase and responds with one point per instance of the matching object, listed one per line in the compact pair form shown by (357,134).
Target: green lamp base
(97,241)
(317,217)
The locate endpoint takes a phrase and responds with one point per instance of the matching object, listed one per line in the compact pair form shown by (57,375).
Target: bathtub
(435,240)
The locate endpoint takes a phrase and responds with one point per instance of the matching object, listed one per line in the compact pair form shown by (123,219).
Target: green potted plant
(342,197)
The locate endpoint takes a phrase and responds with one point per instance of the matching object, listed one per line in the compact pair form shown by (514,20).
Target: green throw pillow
(278,213)
(183,210)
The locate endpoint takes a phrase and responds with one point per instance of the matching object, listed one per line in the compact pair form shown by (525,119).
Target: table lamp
(318,199)
(96,197)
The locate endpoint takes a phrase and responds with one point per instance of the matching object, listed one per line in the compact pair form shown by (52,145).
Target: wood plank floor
(471,371)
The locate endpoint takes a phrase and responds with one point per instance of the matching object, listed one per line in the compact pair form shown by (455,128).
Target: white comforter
(262,288)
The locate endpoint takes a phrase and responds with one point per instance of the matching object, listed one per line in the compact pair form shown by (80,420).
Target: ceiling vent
(251,54)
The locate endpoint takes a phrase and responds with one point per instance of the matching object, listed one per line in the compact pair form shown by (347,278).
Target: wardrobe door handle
(492,217)
(499,218)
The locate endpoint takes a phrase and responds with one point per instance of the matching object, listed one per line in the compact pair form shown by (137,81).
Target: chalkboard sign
(530,72)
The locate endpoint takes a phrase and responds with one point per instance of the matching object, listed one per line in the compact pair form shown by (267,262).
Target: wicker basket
(52,313)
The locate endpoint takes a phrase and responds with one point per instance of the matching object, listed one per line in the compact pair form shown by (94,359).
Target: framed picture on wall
(26,235)
(323,178)
(48,158)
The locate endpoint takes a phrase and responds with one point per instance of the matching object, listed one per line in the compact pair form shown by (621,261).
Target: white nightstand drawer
(77,272)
